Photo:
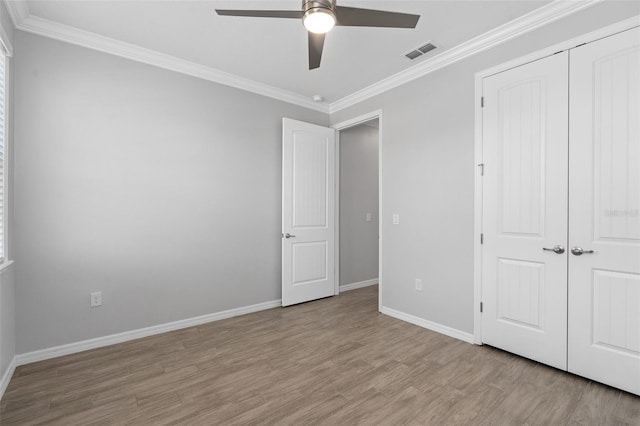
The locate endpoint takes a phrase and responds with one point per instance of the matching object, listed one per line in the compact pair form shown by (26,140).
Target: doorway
(311,208)
(358,203)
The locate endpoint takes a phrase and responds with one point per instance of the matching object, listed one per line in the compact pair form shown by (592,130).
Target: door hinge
(481,238)
(480,307)
(481,101)
(481,165)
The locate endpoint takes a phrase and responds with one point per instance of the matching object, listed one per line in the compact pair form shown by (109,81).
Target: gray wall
(7,319)
(358,196)
(428,174)
(7,276)
(161,190)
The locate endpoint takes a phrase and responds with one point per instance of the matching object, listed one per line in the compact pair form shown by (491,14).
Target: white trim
(19,12)
(358,120)
(479,76)
(429,325)
(66,33)
(531,21)
(6,155)
(380,218)
(336,240)
(4,265)
(359,284)
(112,339)
(345,125)
(6,44)
(6,377)
(477,216)
(592,36)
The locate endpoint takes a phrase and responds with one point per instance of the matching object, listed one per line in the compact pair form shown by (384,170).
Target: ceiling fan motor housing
(314,6)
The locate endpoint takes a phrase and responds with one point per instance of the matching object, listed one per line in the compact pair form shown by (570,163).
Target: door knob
(288,235)
(578,251)
(557,249)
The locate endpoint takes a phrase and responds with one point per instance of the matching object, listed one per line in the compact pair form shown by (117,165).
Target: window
(3,127)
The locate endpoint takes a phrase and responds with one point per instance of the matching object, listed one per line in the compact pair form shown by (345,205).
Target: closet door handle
(557,249)
(578,251)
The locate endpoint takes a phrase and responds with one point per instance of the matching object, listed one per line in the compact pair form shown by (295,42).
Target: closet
(561,210)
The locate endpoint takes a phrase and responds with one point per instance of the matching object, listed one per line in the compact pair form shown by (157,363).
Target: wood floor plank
(402,408)
(563,393)
(334,361)
(440,408)
(627,411)
(597,405)
(476,406)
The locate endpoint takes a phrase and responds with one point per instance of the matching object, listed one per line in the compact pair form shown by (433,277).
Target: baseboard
(71,348)
(429,325)
(6,377)
(359,284)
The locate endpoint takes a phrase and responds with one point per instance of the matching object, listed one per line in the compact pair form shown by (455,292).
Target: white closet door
(525,148)
(604,286)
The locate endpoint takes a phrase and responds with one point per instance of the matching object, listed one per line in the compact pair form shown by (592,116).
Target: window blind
(2,152)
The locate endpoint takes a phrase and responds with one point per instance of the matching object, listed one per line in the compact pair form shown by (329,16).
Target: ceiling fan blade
(295,14)
(316,43)
(356,17)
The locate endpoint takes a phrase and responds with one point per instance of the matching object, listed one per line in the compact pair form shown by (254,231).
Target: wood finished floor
(335,361)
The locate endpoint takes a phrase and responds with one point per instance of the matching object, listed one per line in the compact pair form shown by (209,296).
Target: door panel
(308,194)
(613,327)
(310,168)
(309,262)
(604,286)
(521,293)
(521,115)
(525,181)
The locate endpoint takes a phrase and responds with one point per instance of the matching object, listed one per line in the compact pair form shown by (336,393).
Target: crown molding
(531,21)
(69,34)
(5,43)
(23,20)
(18,11)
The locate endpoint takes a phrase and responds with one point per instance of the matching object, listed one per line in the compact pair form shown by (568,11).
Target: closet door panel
(604,211)
(525,148)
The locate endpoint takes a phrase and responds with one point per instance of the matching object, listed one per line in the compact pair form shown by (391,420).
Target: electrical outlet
(368,217)
(396,219)
(418,284)
(96,299)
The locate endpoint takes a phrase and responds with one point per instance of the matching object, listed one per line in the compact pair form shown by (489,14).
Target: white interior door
(308,211)
(604,286)
(525,148)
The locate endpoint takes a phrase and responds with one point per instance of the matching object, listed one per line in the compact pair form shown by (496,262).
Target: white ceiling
(274,51)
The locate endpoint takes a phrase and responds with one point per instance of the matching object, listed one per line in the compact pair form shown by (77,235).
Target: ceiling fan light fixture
(319,16)
(319,21)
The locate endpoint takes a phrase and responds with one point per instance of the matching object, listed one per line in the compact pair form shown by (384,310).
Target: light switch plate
(396,219)
(368,217)
(96,299)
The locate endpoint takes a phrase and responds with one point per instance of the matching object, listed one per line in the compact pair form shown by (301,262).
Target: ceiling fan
(320,16)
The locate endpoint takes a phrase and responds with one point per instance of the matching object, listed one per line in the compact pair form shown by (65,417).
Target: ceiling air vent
(413,54)
(428,47)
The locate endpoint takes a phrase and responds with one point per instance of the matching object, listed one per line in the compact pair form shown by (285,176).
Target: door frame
(343,125)
(477,204)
